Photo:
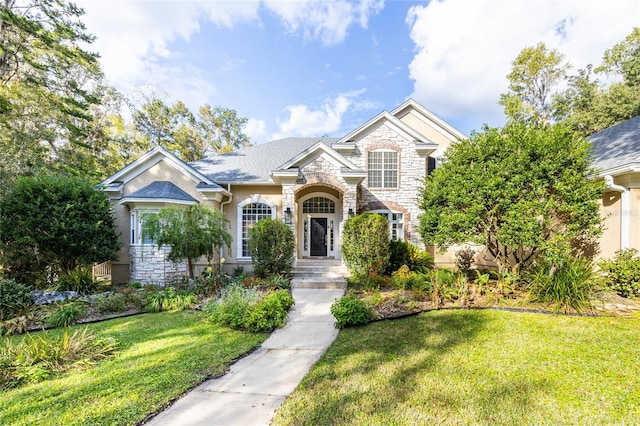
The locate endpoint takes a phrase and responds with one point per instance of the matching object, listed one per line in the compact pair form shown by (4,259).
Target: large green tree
(52,224)
(588,105)
(523,191)
(175,127)
(534,81)
(191,232)
(47,83)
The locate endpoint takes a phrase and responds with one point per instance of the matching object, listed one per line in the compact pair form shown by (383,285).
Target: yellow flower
(209,269)
(223,260)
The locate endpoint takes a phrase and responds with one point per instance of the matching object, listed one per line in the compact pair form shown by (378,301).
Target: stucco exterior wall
(272,193)
(427,130)
(162,171)
(611,211)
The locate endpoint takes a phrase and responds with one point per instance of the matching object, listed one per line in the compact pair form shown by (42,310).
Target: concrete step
(319,283)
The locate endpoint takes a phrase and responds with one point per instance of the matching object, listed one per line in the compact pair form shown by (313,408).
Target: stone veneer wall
(149,265)
(412,171)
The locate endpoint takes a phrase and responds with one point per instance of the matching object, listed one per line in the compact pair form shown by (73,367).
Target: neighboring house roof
(162,189)
(616,150)
(254,164)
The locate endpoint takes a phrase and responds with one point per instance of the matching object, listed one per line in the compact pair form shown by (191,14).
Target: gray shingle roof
(617,146)
(253,164)
(162,190)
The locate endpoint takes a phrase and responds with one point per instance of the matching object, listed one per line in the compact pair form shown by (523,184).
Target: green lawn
(161,356)
(475,367)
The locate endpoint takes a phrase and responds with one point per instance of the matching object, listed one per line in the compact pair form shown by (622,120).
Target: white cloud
(327,119)
(464,49)
(256,130)
(327,20)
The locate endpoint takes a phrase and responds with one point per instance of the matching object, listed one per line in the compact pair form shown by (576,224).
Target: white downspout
(224,203)
(625,211)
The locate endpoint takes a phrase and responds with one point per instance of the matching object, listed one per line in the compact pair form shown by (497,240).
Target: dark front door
(318,236)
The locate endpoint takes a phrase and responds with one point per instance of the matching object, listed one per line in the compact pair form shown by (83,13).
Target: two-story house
(312,184)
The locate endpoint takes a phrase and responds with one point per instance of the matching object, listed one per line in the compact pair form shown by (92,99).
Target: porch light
(350,212)
(287,216)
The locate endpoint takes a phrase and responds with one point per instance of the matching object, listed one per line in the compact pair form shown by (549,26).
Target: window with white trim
(251,211)
(396,223)
(383,169)
(138,226)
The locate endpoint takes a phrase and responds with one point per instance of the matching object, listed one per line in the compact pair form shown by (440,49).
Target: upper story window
(383,169)
(251,211)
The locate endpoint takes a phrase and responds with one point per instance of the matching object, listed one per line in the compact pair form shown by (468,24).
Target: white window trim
(390,214)
(239,210)
(135,231)
(384,170)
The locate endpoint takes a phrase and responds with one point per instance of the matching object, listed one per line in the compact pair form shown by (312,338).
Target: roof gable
(384,117)
(318,150)
(410,106)
(160,191)
(150,159)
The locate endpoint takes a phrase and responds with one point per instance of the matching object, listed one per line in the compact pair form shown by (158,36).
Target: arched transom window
(318,205)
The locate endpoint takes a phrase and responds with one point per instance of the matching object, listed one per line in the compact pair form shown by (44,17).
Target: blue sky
(312,67)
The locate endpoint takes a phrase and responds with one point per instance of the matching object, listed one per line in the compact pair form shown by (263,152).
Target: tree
(47,83)
(222,128)
(533,81)
(51,224)
(589,106)
(271,244)
(525,192)
(174,127)
(191,232)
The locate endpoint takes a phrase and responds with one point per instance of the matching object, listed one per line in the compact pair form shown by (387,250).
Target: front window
(139,234)
(396,223)
(252,213)
(383,169)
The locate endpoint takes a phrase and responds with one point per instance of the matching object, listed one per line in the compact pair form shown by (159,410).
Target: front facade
(311,184)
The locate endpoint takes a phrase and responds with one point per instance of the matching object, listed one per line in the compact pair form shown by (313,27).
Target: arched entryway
(319,222)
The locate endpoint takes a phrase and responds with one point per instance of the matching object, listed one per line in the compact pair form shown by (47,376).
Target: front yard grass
(160,357)
(475,367)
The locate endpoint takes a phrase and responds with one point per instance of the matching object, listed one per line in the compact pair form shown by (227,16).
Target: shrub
(51,224)
(568,286)
(66,314)
(445,286)
(464,259)
(271,244)
(622,273)
(350,310)
(405,253)
(14,298)
(365,244)
(405,279)
(247,309)
(116,303)
(170,300)
(233,306)
(211,281)
(34,358)
(79,279)
(270,312)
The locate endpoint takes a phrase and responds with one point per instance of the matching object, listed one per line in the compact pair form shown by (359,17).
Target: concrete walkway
(254,388)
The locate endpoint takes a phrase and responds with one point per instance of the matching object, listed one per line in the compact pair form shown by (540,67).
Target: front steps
(319,273)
